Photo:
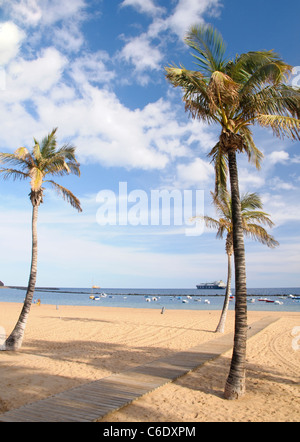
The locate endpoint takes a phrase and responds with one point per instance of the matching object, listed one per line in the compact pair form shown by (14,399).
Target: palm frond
(209,46)
(222,202)
(15,160)
(67,151)
(66,194)
(37,152)
(195,88)
(22,153)
(48,144)
(251,217)
(222,91)
(220,160)
(211,223)
(255,156)
(58,166)
(258,233)
(74,168)
(14,174)
(251,201)
(281,125)
(258,217)
(255,68)
(279,99)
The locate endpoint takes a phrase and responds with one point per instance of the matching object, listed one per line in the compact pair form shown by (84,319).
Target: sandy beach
(74,345)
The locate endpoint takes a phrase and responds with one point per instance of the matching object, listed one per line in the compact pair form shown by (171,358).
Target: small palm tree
(236,94)
(44,159)
(252,218)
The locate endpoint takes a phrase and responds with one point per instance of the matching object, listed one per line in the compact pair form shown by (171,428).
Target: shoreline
(154,292)
(75,345)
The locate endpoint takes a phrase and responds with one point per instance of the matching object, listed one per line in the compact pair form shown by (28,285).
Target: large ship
(212,285)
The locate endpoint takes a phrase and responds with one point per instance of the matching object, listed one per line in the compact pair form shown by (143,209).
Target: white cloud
(91,68)
(27,77)
(198,172)
(148,138)
(144,6)
(277,157)
(11,37)
(104,130)
(282,208)
(68,37)
(277,183)
(56,10)
(39,96)
(190,12)
(250,181)
(33,12)
(26,82)
(142,54)
(64,18)
(140,50)
(27,11)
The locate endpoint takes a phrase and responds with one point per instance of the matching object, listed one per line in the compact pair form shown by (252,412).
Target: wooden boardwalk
(90,402)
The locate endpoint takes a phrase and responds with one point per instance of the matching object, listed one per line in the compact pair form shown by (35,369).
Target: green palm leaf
(252,218)
(44,159)
(249,89)
(209,46)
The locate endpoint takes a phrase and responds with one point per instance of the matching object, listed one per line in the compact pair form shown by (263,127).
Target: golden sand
(74,345)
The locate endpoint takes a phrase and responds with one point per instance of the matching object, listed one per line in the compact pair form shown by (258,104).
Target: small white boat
(206,301)
(185,301)
(96,298)
(252,300)
(148,300)
(154,298)
(103,295)
(278,302)
(189,297)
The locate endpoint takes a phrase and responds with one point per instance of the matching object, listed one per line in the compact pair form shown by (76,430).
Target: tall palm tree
(252,218)
(236,94)
(44,159)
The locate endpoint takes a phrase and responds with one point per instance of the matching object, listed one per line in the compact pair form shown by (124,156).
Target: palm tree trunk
(14,341)
(221,326)
(236,382)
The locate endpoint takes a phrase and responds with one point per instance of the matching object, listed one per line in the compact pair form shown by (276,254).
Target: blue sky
(94,69)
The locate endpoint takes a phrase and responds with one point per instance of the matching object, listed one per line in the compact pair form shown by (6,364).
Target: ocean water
(179,299)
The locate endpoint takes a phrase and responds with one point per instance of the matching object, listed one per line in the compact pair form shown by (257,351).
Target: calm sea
(285,299)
